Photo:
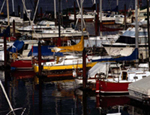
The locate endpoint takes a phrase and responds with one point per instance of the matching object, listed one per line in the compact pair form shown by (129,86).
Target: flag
(6,32)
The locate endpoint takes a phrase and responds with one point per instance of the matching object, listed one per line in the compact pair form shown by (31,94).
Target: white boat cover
(113,114)
(98,68)
(140,87)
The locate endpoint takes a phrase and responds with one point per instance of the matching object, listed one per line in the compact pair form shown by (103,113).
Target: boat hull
(23,64)
(63,67)
(113,87)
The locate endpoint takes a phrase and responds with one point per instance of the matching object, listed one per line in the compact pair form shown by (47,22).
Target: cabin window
(143,40)
(143,33)
(126,39)
(124,75)
(68,31)
(143,76)
(25,46)
(129,33)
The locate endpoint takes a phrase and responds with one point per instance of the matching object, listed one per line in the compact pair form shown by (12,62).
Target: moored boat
(125,44)
(64,63)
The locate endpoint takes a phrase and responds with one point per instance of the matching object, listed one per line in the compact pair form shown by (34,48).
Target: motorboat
(88,17)
(17,20)
(66,32)
(39,27)
(112,80)
(126,43)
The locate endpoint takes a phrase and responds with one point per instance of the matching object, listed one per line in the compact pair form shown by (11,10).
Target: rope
(35,10)
(2,6)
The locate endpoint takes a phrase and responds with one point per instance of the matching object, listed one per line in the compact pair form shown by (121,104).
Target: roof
(141,86)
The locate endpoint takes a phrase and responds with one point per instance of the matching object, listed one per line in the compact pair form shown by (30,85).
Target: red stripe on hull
(24,64)
(113,87)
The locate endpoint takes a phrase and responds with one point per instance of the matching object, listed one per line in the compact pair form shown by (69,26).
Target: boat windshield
(126,39)
(129,33)
(132,33)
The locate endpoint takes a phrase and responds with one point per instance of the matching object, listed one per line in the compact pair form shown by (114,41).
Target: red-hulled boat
(111,87)
(120,84)
(24,64)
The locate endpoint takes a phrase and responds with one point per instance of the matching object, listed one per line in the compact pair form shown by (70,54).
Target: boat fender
(74,73)
(15,56)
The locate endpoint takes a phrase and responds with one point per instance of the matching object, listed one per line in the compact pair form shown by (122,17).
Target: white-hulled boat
(67,32)
(42,25)
(125,44)
(113,80)
(88,17)
(64,63)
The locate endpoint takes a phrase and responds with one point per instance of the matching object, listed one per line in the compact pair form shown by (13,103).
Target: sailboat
(68,62)
(108,81)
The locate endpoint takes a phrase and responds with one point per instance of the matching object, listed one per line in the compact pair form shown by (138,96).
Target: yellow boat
(63,67)
(67,62)
(64,63)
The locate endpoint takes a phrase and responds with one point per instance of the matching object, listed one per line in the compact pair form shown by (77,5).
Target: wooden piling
(40,77)
(5,61)
(14,27)
(84,84)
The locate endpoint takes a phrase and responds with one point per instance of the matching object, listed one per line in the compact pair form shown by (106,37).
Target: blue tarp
(16,46)
(45,51)
(133,56)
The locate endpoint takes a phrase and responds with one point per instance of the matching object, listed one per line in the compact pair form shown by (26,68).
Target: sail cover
(77,47)
(133,56)
(45,51)
(16,46)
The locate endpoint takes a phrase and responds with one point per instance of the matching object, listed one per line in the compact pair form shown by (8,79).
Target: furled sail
(77,47)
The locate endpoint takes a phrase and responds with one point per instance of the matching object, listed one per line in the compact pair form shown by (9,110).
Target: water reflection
(61,98)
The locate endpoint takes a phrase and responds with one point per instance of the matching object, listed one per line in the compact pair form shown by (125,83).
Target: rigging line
(2,6)
(80,14)
(35,10)
(26,11)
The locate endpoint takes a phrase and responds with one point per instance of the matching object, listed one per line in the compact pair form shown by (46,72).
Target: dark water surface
(23,91)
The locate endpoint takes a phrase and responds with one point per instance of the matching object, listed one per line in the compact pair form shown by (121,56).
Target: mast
(117,6)
(59,40)
(8,12)
(55,11)
(100,16)
(136,26)
(81,10)
(13,9)
(148,33)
